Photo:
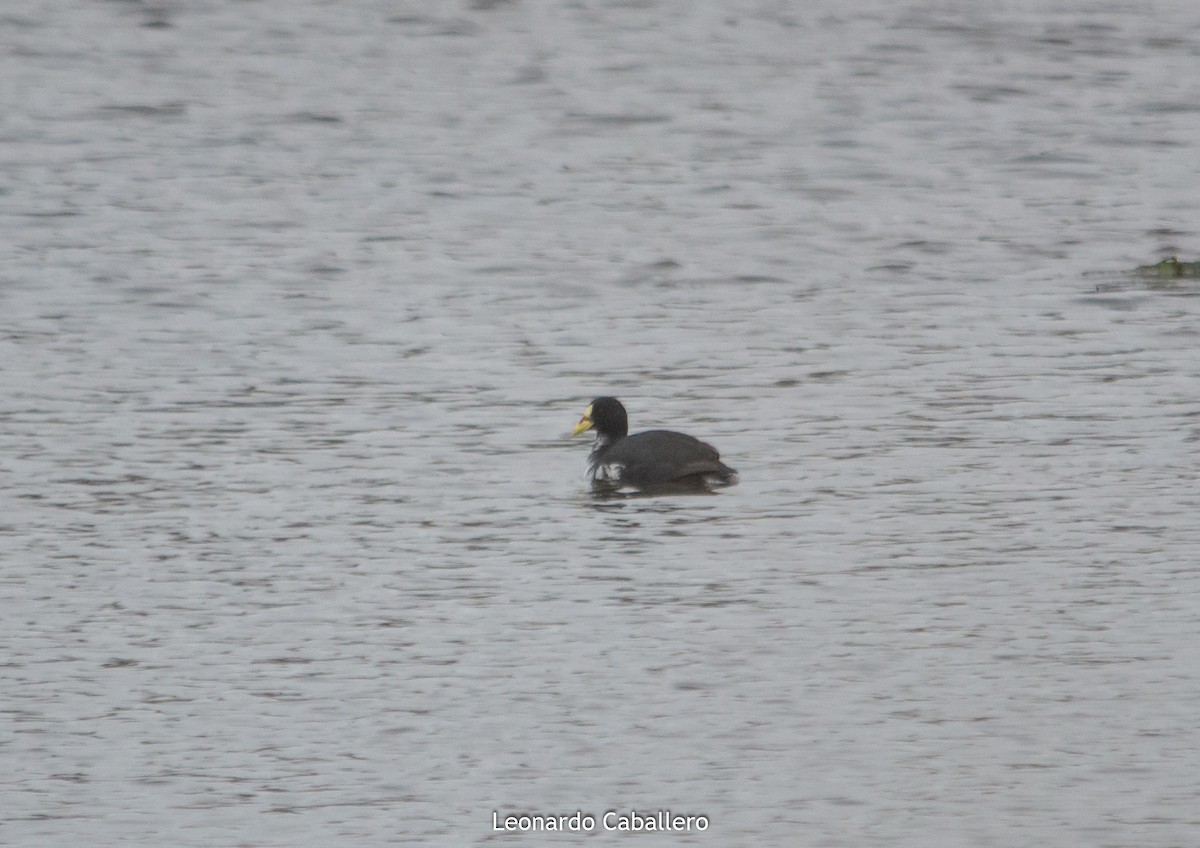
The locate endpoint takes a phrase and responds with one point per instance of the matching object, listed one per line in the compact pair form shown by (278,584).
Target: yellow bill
(585,423)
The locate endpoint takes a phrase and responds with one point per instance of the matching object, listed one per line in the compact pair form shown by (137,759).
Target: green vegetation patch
(1170,269)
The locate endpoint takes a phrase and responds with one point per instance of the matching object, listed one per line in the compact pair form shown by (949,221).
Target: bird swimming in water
(655,459)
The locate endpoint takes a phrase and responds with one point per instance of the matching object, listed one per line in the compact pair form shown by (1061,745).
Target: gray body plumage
(655,458)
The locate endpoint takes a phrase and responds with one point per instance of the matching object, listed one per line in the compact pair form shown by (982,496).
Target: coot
(654,459)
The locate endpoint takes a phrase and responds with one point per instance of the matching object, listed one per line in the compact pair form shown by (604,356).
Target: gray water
(299,303)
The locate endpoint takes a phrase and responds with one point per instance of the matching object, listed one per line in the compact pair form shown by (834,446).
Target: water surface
(299,303)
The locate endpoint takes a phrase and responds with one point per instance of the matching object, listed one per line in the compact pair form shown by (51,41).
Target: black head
(607,417)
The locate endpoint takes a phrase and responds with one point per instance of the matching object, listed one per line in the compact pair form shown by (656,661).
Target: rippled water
(299,303)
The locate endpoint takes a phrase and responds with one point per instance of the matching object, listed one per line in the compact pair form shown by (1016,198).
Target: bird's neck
(602,443)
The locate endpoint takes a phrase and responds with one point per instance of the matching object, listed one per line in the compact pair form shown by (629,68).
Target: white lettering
(612,820)
(579,822)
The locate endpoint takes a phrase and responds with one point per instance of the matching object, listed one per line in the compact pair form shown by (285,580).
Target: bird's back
(663,456)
